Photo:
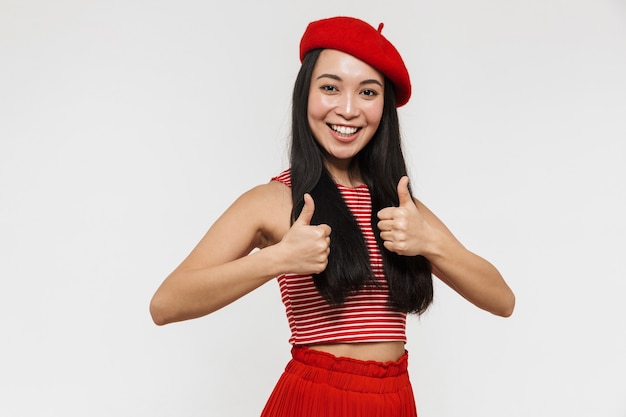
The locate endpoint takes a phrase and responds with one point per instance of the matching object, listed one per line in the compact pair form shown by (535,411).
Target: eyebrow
(337,78)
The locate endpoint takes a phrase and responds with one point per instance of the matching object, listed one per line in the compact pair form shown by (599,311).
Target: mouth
(345,131)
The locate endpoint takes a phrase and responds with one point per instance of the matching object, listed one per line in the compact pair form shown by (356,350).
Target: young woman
(353,251)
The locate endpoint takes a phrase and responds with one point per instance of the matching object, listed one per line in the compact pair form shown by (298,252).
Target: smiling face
(345,106)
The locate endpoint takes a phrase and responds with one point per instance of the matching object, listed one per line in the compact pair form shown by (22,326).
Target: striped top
(365,315)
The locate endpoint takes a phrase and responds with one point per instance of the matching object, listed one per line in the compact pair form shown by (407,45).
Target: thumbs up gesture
(402,228)
(306,247)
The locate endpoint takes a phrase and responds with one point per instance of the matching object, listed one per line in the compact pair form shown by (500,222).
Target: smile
(344,130)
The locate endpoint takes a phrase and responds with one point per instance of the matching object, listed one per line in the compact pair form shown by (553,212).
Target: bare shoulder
(258,218)
(268,195)
(269,206)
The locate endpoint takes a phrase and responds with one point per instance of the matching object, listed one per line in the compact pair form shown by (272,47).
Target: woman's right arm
(221,269)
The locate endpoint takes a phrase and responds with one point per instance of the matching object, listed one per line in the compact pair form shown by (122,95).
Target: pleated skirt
(318,384)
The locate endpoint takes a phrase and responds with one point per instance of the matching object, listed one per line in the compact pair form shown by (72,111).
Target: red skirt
(318,384)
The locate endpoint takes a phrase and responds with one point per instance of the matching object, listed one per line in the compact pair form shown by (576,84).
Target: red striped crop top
(364,316)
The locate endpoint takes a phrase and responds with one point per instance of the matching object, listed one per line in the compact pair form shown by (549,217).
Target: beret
(359,39)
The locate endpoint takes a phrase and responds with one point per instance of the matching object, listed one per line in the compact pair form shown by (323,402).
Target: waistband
(332,363)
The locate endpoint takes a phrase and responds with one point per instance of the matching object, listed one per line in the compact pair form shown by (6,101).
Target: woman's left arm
(412,229)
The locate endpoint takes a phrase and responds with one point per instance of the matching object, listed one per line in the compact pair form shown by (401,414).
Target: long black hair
(381,165)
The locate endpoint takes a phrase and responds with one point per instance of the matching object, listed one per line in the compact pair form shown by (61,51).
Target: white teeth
(344,130)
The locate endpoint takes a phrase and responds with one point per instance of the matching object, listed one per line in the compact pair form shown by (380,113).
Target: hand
(306,247)
(402,228)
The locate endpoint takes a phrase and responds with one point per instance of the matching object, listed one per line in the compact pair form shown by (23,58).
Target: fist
(307,247)
(400,226)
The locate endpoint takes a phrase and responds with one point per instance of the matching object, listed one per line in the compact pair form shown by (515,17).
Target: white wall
(127,127)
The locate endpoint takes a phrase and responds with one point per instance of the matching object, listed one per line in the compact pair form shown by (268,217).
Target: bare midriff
(365,351)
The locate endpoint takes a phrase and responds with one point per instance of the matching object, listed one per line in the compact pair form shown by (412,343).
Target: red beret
(359,39)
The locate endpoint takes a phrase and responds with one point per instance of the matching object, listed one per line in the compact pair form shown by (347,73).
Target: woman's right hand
(306,247)
(222,267)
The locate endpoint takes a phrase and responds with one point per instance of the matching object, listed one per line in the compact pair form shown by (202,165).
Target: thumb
(307,211)
(404,195)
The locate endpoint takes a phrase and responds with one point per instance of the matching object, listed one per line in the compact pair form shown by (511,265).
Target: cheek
(317,109)
(314,117)
(374,114)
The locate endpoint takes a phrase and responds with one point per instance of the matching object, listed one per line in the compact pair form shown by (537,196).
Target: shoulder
(268,206)
(284,177)
(264,198)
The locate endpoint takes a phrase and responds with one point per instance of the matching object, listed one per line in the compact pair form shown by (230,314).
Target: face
(345,105)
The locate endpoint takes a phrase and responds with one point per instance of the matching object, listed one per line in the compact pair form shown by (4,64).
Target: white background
(127,127)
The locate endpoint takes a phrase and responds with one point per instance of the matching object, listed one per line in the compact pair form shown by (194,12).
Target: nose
(347,106)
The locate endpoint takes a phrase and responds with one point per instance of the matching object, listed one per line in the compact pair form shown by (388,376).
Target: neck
(344,172)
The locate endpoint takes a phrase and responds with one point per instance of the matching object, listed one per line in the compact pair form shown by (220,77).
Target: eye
(369,93)
(329,88)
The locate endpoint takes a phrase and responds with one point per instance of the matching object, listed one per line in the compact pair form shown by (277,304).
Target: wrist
(276,261)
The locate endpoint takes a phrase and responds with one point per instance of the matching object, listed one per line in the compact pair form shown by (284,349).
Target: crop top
(365,315)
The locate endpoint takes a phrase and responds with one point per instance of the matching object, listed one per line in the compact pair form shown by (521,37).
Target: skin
(346,93)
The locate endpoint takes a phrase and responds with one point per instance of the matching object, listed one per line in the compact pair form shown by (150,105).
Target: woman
(352,249)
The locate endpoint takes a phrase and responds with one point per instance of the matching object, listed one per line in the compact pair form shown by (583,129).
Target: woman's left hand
(412,229)
(403,229)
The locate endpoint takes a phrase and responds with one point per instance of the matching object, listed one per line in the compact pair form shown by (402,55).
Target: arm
(221,269)
(412,229)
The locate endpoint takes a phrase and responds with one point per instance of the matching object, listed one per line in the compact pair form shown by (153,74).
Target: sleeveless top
(365,315)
